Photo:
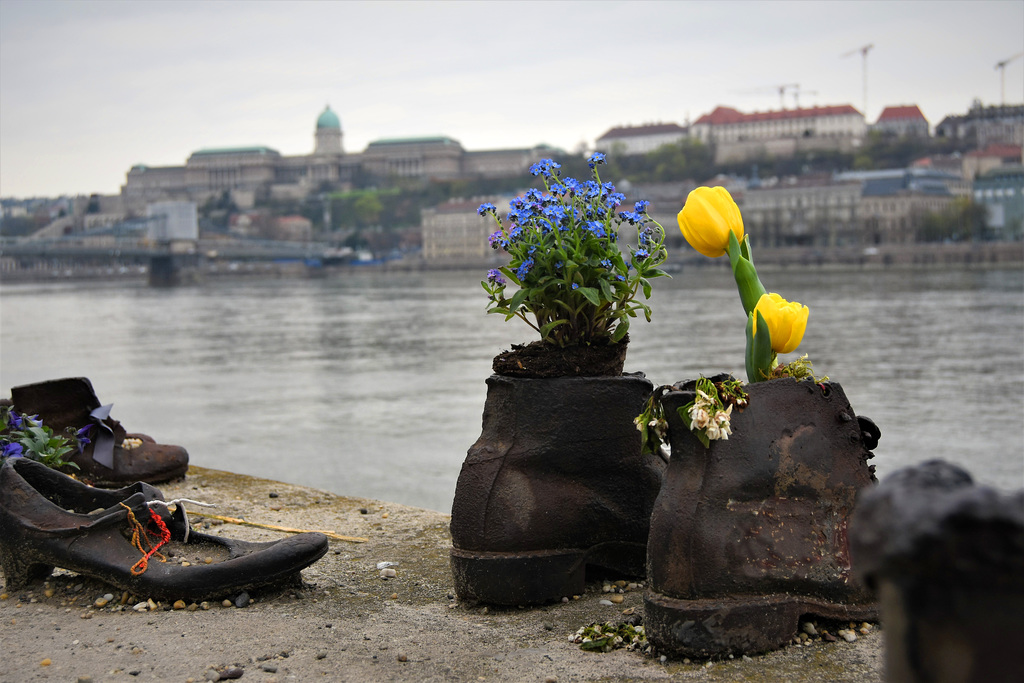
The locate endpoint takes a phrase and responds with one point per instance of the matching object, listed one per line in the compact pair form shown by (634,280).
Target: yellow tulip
(706,219)
(787,321)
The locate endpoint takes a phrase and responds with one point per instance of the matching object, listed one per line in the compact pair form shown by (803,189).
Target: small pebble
(607,603)
(45,662)
(384,516)
(402,657)
(212,675)
(101,602)
(178,604)
(242,600)
(141,607)
(321,655)
(84,679)
(551,679)
(809,629)
(617,599)
(388,573)
(269,668)
(231,672)
(225,603)
(273,494)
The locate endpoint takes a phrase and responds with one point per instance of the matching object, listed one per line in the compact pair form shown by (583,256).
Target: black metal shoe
(113,456)
(130,539)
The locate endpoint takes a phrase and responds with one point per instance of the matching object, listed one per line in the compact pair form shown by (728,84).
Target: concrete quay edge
(347,623)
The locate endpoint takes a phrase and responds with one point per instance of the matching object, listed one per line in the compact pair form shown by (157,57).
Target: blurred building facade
(249,173)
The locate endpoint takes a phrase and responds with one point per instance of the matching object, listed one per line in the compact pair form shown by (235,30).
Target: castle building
(640,139)
(742,137)
(902,121)
(251,173)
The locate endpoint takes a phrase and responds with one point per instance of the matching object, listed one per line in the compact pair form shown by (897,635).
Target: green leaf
(747,282)
(510,274)
(546,329)
(591,295)
(606,290)
(760,356)
(620,330)
(517,300)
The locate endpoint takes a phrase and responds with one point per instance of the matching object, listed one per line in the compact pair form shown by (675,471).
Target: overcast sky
(87,89)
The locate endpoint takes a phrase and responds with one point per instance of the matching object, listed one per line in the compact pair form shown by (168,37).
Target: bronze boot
(555,483)
(750,534)
(112,456)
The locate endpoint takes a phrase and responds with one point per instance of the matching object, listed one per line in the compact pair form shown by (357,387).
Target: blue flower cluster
(575,283)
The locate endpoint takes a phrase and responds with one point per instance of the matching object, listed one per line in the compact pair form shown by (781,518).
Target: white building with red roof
(639,139)
(903,120)
(739,137)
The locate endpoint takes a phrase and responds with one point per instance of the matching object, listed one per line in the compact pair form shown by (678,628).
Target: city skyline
(88,89)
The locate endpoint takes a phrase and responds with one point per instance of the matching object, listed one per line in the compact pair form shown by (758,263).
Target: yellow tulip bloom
(787,321)
(706,219)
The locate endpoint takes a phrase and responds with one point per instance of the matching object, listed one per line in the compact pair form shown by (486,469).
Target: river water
(372,383)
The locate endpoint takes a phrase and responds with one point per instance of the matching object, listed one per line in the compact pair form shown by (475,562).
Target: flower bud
(787,321)
(707,218)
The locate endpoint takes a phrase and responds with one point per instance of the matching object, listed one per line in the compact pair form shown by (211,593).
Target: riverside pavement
(346,622)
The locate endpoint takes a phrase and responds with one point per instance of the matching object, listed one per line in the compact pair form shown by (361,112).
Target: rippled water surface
(372,384)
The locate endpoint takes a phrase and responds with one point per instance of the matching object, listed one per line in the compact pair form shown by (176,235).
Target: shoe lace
(140,538)
(140,534)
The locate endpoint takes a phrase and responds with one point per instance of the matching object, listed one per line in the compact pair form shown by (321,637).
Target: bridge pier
(164,271)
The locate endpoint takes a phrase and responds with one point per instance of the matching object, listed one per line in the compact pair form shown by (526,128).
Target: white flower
(699,418)
(713,432)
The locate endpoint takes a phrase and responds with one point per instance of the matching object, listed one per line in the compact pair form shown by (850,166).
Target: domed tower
(328,133)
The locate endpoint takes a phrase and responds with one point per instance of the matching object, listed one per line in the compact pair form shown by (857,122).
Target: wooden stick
(236,520)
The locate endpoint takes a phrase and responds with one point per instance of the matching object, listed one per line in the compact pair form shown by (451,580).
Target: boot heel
(19,573)
(518,578)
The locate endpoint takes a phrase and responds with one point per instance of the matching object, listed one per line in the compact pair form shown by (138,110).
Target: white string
(178,503)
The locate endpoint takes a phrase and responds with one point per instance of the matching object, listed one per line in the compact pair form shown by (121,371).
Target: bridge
(163,260)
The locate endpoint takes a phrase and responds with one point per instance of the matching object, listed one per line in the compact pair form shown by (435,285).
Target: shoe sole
(537,577)
(748,625)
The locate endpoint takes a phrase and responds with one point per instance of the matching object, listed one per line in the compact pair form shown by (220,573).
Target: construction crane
(863,50)
(796,95)
(1002,75)
(781,89)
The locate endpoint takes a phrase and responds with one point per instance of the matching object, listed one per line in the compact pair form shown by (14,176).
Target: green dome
(328,119)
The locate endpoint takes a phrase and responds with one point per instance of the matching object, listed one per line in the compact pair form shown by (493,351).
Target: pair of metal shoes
(130,538)
(737,541)
(111,456)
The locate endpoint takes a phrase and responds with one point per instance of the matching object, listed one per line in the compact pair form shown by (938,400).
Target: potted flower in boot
(557,481)
(748,533)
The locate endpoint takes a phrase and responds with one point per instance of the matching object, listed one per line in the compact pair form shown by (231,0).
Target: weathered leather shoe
(112,457)
(750,534)
(49,520)
(556,482)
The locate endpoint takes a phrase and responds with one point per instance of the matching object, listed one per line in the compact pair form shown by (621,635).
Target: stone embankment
(379,610)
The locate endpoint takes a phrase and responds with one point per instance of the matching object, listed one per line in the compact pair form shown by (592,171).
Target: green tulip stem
(760,357)
(743,270)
